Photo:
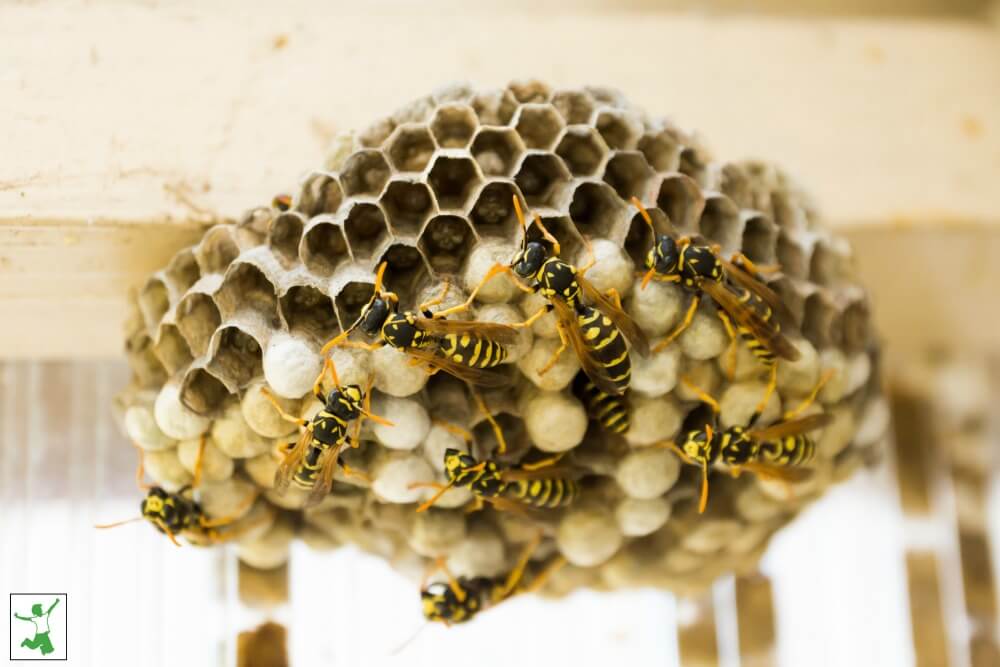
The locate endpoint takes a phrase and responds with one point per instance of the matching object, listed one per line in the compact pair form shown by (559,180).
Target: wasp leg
(811,398)
(518,572)
(685,323)
(205,522)
(436,300)
(732,350)
(441,490)
(140,469)
(497,431)
(281,412)
(534,318)
(772,383)
(199,460)
(544,463)
(350,472)
(704,397)
(563,344)
(475,506)
(744,262)
(592,258)
(494,271)
(544,575)
(464,434)
(672,446)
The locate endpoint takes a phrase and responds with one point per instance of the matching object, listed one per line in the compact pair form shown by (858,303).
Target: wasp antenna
(167,530)
(102,526)
(433,499)
(644,213)
(379,275)
(705,398)
(703,503)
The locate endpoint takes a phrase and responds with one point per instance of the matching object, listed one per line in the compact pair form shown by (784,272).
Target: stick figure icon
(41,621)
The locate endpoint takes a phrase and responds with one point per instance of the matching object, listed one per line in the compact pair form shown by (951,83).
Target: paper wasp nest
(429,190)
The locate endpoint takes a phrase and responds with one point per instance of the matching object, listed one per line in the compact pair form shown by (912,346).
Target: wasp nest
(429,191)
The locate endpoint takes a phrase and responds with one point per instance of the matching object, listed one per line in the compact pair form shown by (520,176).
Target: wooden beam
(132,125)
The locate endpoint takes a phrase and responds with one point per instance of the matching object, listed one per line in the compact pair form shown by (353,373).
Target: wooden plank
(914,448)
(124,143)
(755,609)
(696,633)
(264,646)
(930,638)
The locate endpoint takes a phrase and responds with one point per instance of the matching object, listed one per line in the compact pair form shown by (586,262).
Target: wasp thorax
(700,263)
(345,402)
(663,257)
(528,261)
(374,316)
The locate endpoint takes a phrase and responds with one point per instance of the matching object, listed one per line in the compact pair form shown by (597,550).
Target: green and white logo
(38,626)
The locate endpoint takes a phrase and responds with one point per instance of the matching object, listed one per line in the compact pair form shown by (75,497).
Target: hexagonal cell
(682,201)
(407,204)
(405,271)
(495,107)
(410,147)
(324,247)
(720,222)
(824,265)
(694,163)
(202,392)
(366,229)
(321,193)
(453,125)
(238,356)
(564,231)
(493,213)
(375,134)
(597,211)
(307,311)
(820,323)
(351,298)
(662,150)
(183,271)
(530,91)
(620,129)
(154,302)
(285,235)
(453,92)
(733,183)
(583,150)
(146,367)
(759,238)
(172,350)
(446,242)
(793,257)
(246,286)
(639,239)
(497,150)
(794,302)
(856,321)
(541,178)
(415,111)
(539,125)
(365,173)
(217,250)
(575,106)
(453,178)
(197,319)
(629,174)
(607,96)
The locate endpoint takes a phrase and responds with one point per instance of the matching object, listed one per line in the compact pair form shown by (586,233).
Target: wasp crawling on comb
(774,451)
(593,322)
(736,287)
(311,463)
(460,599)
(176,514)
(470,351)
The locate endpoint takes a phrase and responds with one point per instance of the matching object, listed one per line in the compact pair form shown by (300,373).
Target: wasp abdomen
(472,350)
(610,411)
(545,493)
(793,450)
(608,345)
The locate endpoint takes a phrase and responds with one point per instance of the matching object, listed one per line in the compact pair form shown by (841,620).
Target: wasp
(312,461)
(746,305)
(460,599)
(593,322)
(178,513)
(608,410)
(282,202)
(771,452)
(467,350)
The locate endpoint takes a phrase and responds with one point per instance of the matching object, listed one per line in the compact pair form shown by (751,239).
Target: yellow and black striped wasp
(468,350)
(460,599)
(736,287)
(311,463)
(774,451)
(608,410)
(593,322)
(178,513)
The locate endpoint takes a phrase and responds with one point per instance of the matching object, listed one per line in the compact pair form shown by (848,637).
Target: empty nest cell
(366,229)
(493,213)
(321,193)
(365,173)
(410,147)
(324,247)
(583,150)
(619,129)
(576,106)
(306,310)
(453,178)
(407,204)
(596,210)
(453,125)
(542,177)
(539,125)
(446,241)
(497,150)
(629,174)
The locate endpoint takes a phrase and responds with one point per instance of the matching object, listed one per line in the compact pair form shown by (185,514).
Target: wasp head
(374,315)
(457,464)
(663,256)
(529,259)
(156,507)
(699,444)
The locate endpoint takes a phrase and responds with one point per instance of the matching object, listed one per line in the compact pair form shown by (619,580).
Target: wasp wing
(625,324)
(763,330)
(324,481)
(483,378)
(548,472)
(292,461)
(501,333)
(793,427)
(781,473)
(748,281)
(589,362)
